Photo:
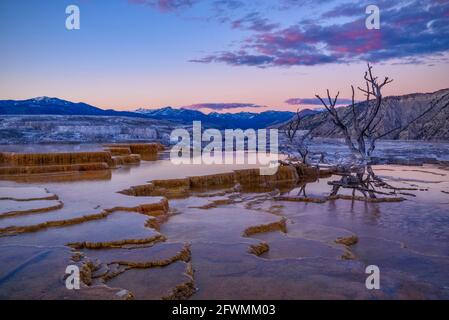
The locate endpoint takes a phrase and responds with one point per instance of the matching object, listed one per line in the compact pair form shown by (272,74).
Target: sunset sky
(232,55)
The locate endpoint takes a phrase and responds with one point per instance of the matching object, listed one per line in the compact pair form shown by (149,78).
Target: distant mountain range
(397,110)
(55,106)
(242,120)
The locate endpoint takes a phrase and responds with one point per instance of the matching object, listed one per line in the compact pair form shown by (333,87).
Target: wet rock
(182,255)
(172,183)
(125,160)
(52,224)
(182,291)
(125,294)
(49,169)
(158,209)
(22,164)
(275,226)
(118,151)
(214,180)
(10,208)
(280,274)
(100,271)
(114,270)
(348,255)
(227,271)
(77,256)
(86,272)
(139,148)
(46,159)
(247,179)
(37,273)
(174,192)
(347,241)
(116,244)
(189,270)
(290,246)
(317,232)
(259,249)
(170,282)
(157,255)
(215,203)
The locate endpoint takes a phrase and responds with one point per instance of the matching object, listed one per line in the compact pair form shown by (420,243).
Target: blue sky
(152,53)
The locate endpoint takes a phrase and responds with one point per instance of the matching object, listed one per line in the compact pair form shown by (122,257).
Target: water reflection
(408,240)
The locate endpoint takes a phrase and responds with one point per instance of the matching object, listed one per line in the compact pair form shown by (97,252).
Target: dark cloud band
(222,106)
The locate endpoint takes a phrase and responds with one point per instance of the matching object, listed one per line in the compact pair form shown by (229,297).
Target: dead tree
(362,136)
(298,142)
(361,133)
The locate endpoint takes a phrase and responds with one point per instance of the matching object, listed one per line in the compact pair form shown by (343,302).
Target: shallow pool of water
(408,240)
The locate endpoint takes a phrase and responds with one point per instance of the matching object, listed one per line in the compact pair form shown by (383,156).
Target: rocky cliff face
(397,111)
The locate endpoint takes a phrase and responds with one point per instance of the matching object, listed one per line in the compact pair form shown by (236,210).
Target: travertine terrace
(16,165)
(152,230)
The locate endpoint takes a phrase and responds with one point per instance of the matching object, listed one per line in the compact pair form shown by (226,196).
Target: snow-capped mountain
(55,106)
(169,113)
